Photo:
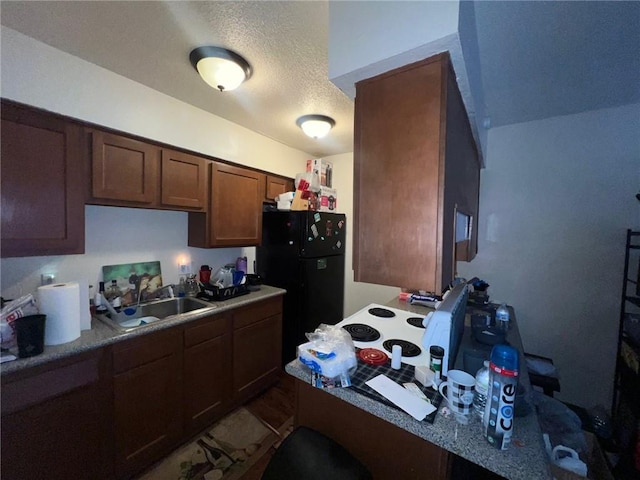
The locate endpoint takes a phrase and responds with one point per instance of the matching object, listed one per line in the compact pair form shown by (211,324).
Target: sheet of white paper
(406,400)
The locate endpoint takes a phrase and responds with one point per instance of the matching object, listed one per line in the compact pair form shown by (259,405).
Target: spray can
(436,354)
(498,417)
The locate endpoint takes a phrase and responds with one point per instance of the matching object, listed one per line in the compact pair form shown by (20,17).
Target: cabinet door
(236,206)
(207,372)
(275,186)
(184,180)
(147,395)
(124,169)
(55,423)
(397,178)
(257,348)
(42,184)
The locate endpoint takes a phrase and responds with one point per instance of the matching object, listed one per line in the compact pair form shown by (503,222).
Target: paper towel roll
(85,309)
(60,302)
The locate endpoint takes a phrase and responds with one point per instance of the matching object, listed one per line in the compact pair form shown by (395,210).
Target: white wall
(555,201)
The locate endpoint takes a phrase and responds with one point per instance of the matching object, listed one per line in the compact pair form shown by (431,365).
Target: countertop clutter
(524,459)
(101,335)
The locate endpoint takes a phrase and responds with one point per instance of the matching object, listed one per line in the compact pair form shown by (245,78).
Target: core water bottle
(501,396)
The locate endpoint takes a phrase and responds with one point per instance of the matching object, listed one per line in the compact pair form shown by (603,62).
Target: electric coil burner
(362,333)
(416,321)
(388,323)
(381,312)
(408,349)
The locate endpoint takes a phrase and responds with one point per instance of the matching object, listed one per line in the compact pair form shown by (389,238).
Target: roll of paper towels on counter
(60,302)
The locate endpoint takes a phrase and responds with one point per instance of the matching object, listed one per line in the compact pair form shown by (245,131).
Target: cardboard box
(597,468)
(328,200)
(323,169)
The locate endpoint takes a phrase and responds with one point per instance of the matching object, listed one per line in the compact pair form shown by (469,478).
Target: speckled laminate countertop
(524,460)
(101,334)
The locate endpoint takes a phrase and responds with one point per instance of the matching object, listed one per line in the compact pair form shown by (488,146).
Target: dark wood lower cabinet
(147,397)
(55,421)
(389,452)
(257,348)
(207,372)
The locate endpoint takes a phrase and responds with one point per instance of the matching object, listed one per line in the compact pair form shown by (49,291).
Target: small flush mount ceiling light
(315,126)
(219,67)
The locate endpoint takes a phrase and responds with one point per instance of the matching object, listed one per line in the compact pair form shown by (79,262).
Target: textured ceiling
(149,42)
(536,59)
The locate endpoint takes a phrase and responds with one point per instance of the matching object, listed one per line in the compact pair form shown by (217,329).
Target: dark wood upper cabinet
(415,166)
(184,180)
(42,184)
(276,185)
(235,211)
(134,173)
(124,169)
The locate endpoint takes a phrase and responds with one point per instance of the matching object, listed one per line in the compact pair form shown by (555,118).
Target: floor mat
(224,452)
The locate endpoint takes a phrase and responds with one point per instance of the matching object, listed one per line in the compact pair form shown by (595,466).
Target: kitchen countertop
(525,458)
(102,335)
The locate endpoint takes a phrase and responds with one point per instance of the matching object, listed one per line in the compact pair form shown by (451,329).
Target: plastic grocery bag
(13,310)
(329,353)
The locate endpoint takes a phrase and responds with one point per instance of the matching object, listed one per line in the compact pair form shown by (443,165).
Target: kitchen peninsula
(393,445)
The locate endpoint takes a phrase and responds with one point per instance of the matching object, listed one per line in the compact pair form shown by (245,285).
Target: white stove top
(395,327)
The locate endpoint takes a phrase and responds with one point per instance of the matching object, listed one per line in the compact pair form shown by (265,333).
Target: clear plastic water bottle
(498,417)
(502,316)
(480,391)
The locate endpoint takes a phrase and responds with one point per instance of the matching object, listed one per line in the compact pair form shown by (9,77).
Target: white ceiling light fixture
(315,126)
(219,67)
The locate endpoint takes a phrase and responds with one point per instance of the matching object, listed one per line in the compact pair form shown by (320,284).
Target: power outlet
(47,279)
(185,269)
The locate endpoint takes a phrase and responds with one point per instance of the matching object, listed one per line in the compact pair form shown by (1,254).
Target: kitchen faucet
(168,288)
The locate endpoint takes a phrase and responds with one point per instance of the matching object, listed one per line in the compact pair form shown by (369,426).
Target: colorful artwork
(134,279)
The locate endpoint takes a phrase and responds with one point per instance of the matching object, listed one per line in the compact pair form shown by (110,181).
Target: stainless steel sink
(148,313)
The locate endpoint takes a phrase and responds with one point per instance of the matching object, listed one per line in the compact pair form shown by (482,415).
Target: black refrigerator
(303,252)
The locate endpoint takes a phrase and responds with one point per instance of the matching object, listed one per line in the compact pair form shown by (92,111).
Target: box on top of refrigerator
(323,169)
(328,200)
